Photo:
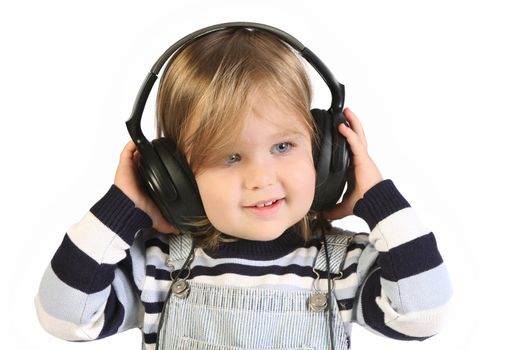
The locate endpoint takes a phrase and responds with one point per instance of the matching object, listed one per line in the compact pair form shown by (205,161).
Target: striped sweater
(109,274)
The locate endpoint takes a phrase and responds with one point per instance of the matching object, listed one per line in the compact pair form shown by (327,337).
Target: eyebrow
(288,133)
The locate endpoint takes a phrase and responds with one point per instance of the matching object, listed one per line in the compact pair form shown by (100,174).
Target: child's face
(263,166)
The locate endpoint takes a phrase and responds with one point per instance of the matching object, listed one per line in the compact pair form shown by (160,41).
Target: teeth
(265,204)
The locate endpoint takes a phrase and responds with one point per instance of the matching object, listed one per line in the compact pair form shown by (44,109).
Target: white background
(439,87)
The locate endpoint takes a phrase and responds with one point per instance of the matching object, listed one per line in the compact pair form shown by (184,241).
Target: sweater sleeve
(405,285)
(88,291)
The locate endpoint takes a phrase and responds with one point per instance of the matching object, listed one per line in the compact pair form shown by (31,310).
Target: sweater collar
(258,250)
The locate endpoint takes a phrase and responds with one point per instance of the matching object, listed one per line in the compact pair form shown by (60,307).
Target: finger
(128,151)
(355,123)
(352,138)
(337,212)
(130,146)
(165,227)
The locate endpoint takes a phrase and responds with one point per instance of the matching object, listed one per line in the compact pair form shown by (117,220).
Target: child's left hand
(366,172)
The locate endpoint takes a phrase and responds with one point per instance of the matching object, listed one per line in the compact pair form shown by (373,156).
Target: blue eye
(283,147)
(232,158)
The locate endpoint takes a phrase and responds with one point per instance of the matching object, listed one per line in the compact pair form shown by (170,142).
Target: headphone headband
(296,44)
(165,174)
(337,89)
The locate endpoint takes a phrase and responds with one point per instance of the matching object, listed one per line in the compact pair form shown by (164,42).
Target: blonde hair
(206,92)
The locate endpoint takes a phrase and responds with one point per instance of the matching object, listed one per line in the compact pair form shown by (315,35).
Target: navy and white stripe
(110,274)
(406,296)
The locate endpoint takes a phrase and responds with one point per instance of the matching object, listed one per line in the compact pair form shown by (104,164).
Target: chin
(263,236)
(270,237)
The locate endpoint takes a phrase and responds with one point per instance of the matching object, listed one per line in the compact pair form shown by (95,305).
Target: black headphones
(166,176)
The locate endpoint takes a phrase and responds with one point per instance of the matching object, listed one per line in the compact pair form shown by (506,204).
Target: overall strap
(337,247)
(180,248)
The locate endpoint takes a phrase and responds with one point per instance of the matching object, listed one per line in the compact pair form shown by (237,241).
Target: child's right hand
(126,179)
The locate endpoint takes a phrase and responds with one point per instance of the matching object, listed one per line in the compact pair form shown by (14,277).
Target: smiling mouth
(267,204)
(268,208)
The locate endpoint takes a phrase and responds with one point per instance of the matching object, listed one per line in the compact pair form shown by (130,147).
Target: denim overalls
(212,317)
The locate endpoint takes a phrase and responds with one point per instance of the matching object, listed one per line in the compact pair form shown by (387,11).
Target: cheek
(207,191)
(215,193)
(304,176)
(309,184)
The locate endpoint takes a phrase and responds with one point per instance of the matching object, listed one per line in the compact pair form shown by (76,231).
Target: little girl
(252,274)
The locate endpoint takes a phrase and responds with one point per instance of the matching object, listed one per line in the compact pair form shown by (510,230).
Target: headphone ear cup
(179,200)
(331,160)
(154,178)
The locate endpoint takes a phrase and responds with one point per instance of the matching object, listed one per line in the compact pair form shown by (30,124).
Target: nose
(260,174)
